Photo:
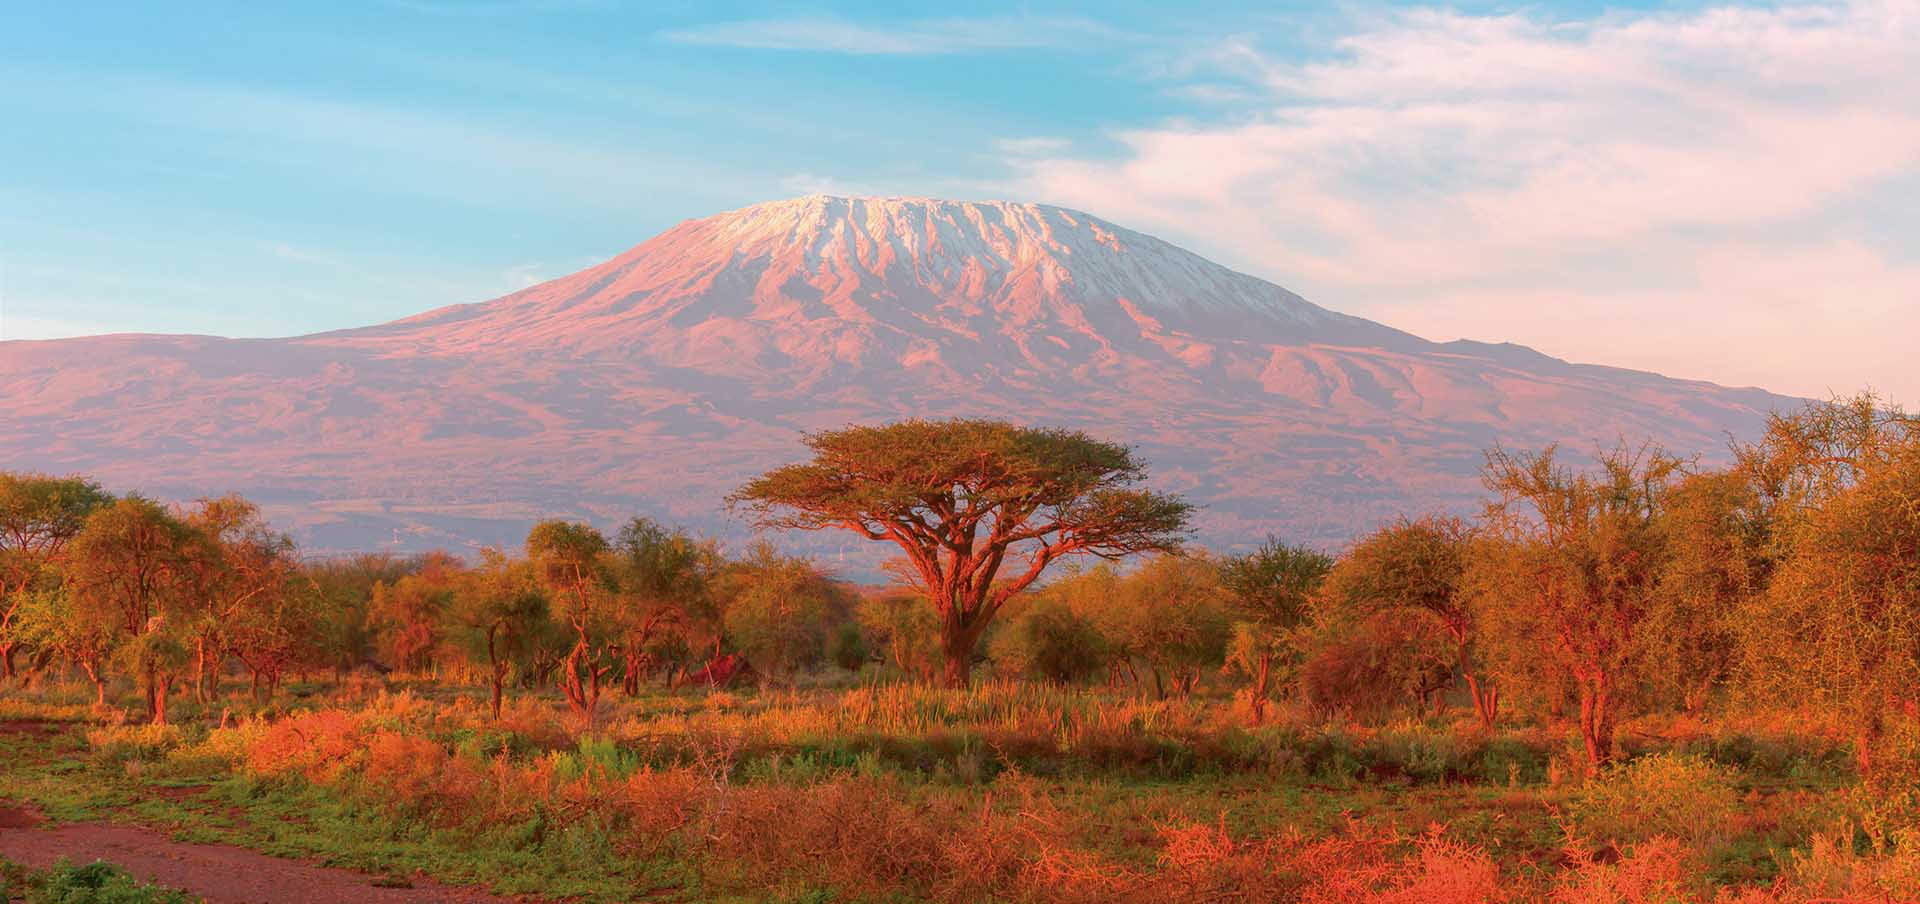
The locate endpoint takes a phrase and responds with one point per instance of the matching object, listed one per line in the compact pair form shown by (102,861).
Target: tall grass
(888,793)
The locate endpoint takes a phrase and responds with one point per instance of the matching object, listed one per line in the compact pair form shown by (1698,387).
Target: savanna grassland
(1631,678)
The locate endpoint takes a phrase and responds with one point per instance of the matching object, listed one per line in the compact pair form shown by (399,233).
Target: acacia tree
(341,595)
(962,499)
(245,580)
(129,573)
(1419,565)
(570,560)
(1718,557)
(778,609)
(1575,564)
(498,612)
(1840,487)
(49,621)
(1272,590)
(1172,613)
(407,617)
(38,516)
(665,581)
(901,621)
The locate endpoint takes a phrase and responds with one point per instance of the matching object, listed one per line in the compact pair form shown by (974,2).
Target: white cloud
(1577,185)
(931,36)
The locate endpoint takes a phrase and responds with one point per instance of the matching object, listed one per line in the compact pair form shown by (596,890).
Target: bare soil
(222,874)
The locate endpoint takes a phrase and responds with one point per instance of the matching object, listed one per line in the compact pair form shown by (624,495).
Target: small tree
(1836,623)
(778,609)
(570,560)
(665,580)
(38,516)
(1419,567)
(847,646)
(128,571)
(276,632)
(1572,570)
(497,615)
(245,580)
(341,593)
(961,498)
(1272,591)
(407,617)
(1172,613)
(1367,663)
(1719,555)
(902,621)
(50,621)
(1050,640)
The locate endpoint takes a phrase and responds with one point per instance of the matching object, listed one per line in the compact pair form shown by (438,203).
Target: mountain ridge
(658,380)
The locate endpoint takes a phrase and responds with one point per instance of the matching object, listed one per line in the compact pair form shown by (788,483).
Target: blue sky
(1720,192)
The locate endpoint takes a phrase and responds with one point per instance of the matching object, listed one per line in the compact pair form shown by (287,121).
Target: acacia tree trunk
(957,642)
(1486,700)
(7,671)
(1263,671)
(99,686)
(200,671)
(958,671)
(1866,737)
(499,680)
(581,682)
(157,695)
(1596,720)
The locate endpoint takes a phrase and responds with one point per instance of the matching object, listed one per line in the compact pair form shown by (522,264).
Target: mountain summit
(658,381)
(981,286)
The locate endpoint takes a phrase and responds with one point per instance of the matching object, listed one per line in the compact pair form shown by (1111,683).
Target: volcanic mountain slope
(660,380)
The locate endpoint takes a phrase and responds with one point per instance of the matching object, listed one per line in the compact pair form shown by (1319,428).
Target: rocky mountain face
(658,381)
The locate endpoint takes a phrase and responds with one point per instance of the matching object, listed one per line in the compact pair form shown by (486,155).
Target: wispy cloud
(422,151)
(1033,147)
(525,276)
(815,184)
(483,8)
(1561,182)
(300,255)
(928,36)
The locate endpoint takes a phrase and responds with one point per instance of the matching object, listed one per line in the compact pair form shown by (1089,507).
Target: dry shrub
(1666,794)
(535,722)
(1833,870)
(656,805)
(873,838)
(1369,865)
(117,743)
(1362,865)
(1443,872)
(1658,871)
(319,745)
(855,835)
(419,777)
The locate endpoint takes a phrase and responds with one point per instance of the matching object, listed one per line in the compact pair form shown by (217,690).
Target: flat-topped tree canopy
(962,496)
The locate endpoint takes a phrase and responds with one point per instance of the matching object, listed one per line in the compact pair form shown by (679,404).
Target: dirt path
(220,873)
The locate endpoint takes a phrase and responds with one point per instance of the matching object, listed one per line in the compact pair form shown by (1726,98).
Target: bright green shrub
(1673,795)
(100,882)
(122,743)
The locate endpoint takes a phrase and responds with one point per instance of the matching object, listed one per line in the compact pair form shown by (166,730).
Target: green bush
(1512,761)
(100,882)
(125,743)
(1676,795)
